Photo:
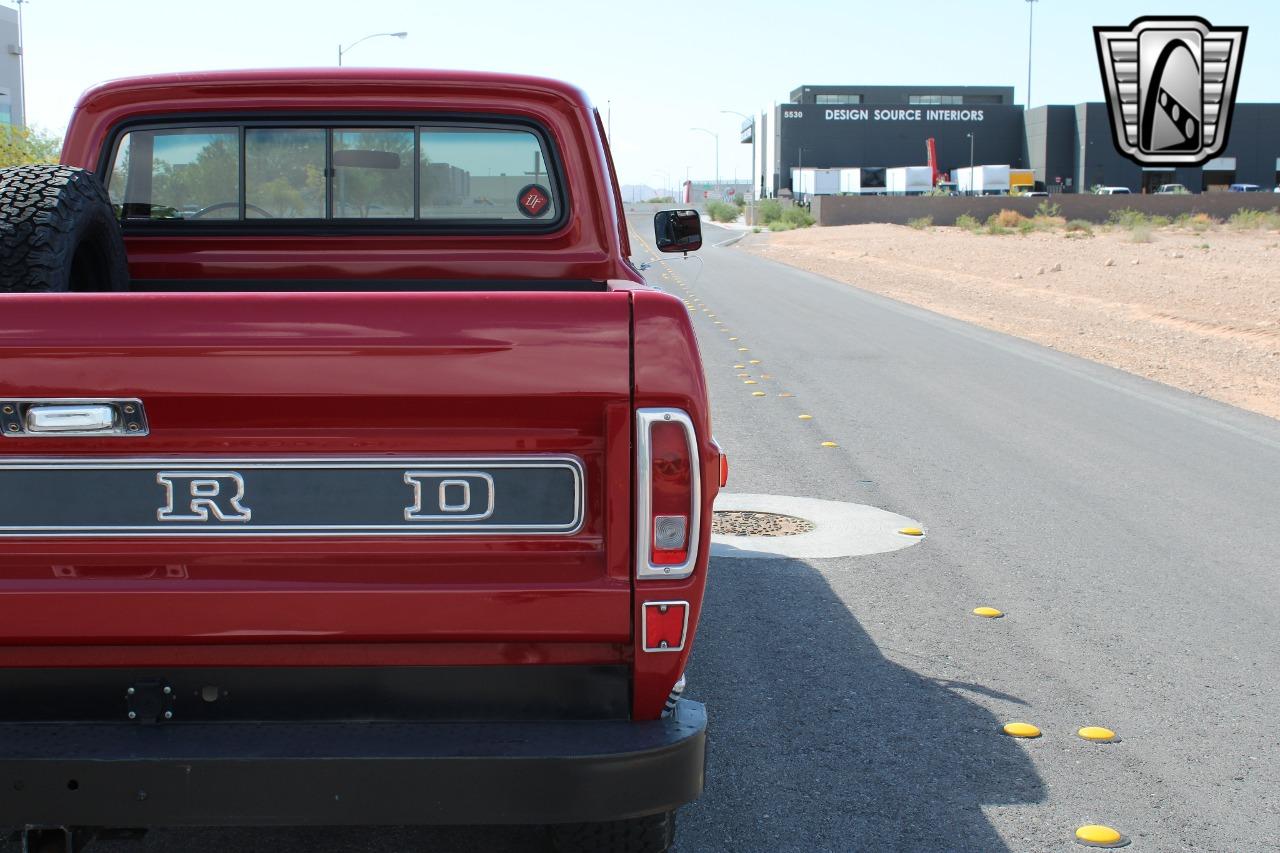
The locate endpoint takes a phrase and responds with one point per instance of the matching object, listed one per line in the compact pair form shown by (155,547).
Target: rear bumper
(260,774)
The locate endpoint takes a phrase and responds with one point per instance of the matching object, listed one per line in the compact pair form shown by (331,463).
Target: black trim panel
(320,694)
(341,285)
(245,774)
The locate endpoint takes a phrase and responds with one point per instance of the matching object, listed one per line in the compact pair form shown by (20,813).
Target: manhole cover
(746,523)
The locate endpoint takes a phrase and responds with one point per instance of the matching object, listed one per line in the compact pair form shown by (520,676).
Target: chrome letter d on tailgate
(202,493)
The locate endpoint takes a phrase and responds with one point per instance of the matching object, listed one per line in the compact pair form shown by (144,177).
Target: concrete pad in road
(841,529)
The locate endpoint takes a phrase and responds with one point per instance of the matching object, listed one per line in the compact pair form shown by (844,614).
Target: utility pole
(1031,13)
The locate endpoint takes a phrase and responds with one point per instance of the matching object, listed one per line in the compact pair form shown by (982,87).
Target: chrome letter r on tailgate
(195,495)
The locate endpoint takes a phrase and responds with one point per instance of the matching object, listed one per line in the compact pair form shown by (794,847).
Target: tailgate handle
(64,419)
(50,418)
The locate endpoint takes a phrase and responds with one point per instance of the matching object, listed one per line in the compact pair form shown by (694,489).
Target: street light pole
(751,205)
(1031,13)
(971,182)
(347,49)
(22,68)
(716,137)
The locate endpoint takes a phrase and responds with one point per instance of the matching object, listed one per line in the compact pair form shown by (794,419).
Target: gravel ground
(1198,311)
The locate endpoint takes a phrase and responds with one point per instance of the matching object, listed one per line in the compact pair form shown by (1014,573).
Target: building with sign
(1068,147)
(11,106)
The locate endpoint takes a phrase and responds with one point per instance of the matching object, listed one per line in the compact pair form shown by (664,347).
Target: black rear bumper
(262,774)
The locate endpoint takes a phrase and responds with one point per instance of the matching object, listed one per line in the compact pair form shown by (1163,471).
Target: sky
(657,70)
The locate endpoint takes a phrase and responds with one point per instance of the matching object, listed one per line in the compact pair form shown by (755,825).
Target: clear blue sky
(665,66)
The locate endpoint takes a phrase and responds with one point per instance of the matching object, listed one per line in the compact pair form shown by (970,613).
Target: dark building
(1069,147)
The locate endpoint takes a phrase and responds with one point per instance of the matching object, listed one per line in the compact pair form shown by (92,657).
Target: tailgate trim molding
(211,496)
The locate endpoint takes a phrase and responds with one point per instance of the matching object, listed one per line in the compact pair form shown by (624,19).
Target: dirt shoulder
(1198,311)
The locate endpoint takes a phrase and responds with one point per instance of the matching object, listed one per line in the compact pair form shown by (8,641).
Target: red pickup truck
(350,473)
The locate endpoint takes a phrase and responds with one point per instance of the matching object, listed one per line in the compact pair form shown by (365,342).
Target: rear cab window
(255,177)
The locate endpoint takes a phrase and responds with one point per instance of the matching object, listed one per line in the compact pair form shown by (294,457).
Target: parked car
(1113,191)
(1244,188)
(362,504)
(1172,189)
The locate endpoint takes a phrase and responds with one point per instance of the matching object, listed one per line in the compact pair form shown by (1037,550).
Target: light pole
(22,67)
(342,50)
(1031,13)
(795,190)
(751,204)
(667,181)
(971,181)
(716,137)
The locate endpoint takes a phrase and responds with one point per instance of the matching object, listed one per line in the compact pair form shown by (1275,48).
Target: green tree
(25,146)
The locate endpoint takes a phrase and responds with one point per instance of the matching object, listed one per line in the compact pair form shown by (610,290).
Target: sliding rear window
(456,175)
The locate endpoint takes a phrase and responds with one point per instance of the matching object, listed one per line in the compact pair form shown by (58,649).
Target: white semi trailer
(908,180)
(982,180)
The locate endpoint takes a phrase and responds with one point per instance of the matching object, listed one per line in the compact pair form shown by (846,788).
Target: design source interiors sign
(897,114)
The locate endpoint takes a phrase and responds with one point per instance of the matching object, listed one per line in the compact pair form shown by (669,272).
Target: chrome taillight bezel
(645,567)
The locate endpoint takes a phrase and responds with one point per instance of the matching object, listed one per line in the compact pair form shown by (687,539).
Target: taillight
(667,502)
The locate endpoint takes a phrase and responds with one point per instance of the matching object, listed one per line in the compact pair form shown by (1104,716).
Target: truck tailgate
(385,468)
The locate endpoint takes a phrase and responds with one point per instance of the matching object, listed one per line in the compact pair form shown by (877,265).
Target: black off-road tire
(58,232)
(653,833)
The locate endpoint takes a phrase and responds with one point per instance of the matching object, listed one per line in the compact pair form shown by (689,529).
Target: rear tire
(653,833)
(58,232)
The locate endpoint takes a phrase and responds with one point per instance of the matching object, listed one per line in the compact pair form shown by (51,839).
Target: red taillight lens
(672,494)
(665,623)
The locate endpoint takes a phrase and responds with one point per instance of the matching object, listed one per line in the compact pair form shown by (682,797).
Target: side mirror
(678,230)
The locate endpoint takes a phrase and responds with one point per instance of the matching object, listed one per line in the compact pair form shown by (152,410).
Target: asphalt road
(1130,532)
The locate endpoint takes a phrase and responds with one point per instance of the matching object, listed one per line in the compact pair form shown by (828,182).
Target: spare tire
(58,232)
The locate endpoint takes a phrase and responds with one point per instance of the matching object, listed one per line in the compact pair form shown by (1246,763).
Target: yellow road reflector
(749,382)
(754,361)
(1097,733)
(766,375)
(744,375)
(743,349)
(739,367)
(786,394)
(806,417)
(1021,730)
(910,531)
(757,393)
(988,612)
(733,339)
(1097,835)
(829,444)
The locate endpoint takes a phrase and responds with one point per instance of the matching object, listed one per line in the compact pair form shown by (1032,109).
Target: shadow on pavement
(820,743)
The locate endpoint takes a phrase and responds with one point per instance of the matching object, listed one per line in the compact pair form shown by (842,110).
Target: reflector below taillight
(664,624)
(668,494)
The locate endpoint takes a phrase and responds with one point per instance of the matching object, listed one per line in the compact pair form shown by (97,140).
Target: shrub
(740,200)
(1007,218)
(995,227)
(1130,219)
(968,223)
(1197,222)
(1080,228)
(797,217)
(660,199)
(920,223)
(769,210)
(1250,219)
(1048,209)
(781,225)
(1140,233)
(721,212)
(1026,226)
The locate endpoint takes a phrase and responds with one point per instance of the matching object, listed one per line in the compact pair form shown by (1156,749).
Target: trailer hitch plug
(150,702)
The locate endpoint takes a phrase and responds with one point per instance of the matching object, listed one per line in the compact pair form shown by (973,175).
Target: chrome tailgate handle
(62,418)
